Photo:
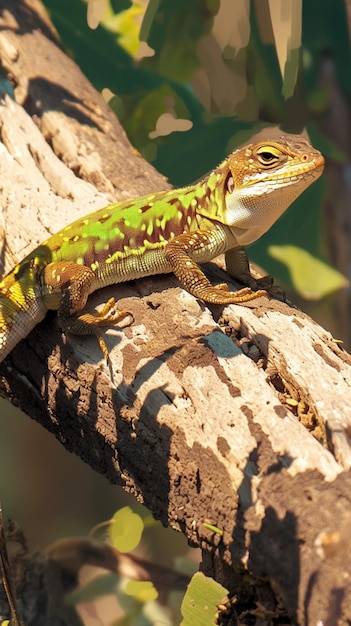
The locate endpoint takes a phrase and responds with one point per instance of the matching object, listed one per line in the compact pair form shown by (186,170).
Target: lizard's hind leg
(67,286)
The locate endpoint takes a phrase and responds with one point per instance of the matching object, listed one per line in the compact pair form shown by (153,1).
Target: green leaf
(126,24)
(143,591)
(311,277)
(201,600)
(125,529)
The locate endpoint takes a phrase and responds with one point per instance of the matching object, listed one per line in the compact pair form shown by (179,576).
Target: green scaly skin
(168,231)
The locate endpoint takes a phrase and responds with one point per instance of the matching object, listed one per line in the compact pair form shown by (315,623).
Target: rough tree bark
(205,414)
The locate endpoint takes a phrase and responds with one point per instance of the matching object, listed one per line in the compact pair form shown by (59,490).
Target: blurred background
(191,80)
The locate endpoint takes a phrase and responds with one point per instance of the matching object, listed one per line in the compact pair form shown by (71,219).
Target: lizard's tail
(21,308)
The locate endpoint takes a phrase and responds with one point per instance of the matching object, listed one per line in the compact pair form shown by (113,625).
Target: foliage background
(207,75)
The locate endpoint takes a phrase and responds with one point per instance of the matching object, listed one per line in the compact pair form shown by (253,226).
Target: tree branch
(197,416)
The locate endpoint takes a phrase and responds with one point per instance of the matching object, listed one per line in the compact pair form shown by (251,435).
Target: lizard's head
(261,180)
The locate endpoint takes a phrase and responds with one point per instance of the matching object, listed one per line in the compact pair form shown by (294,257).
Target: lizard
(162,232)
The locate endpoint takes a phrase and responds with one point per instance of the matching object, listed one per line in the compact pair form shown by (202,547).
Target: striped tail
(21,308)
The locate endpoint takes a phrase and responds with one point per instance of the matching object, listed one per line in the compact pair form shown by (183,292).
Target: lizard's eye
(229,184)
(268,155)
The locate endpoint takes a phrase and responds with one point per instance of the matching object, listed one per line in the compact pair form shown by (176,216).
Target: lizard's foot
(110,315)
(89,323)
(260,287)
(221,295)
(266,283)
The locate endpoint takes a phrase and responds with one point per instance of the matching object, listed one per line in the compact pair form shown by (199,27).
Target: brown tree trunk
(205,414)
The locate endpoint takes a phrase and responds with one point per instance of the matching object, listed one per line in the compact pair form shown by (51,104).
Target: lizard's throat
(250,216)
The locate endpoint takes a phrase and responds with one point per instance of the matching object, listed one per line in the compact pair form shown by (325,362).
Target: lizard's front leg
(237,266)
(202,246)
(66,287)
